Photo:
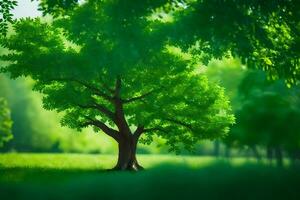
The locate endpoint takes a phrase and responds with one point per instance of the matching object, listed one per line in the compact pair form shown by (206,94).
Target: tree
(35,129)
(5,123)
(268,116)
(228,73)
(103,66)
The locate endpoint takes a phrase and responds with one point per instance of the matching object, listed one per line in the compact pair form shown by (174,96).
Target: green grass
(75,176)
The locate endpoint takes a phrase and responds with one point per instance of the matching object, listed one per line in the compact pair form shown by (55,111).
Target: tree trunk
(127,155)
(256,153)
(270,154)
(227,151)
(217,148)
(294,156)
(278,154)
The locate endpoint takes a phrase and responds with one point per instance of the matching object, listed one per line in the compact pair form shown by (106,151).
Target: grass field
(74,176)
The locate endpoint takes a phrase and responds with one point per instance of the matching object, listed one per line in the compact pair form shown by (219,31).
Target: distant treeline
(267,113)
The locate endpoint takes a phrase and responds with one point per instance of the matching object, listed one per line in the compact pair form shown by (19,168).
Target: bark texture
(127,155)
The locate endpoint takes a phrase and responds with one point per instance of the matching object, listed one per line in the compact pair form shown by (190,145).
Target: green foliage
(266,111)
(269,115)
(5,123)
(31,130)
(5,14)
(101,56)
(263,34)
(56,7)
(228,73)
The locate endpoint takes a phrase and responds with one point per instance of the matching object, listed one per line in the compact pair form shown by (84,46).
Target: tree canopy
(102,66)
(264,34)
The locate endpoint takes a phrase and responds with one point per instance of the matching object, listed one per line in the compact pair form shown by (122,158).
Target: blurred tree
(5,123)
(269,116)
(102,67)
(228,73)
(37,130)
(30,132)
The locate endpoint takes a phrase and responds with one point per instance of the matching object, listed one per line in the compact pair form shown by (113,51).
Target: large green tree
(103,66)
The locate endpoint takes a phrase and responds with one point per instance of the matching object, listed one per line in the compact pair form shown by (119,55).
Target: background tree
(228,73)
(102,67)
(268,116)
(5,123)
(37,130)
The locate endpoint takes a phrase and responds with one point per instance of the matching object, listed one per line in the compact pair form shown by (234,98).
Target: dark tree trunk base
(133,167)
(128,168)
(127,156)
(279,156)
(127,160)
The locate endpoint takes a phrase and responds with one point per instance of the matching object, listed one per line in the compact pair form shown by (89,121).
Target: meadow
(80,176)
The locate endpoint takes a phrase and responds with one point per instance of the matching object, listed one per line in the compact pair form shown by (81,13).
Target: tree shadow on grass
(219,180)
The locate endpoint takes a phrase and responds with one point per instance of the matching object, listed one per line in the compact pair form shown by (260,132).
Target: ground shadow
(220,180)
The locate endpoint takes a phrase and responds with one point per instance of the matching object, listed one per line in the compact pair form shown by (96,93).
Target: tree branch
(118,87)
(88,86)
(100,108)
(188,126)
(138,132)
(109,131)
(119,111)
(155,129)
(106,86)
(138,97)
